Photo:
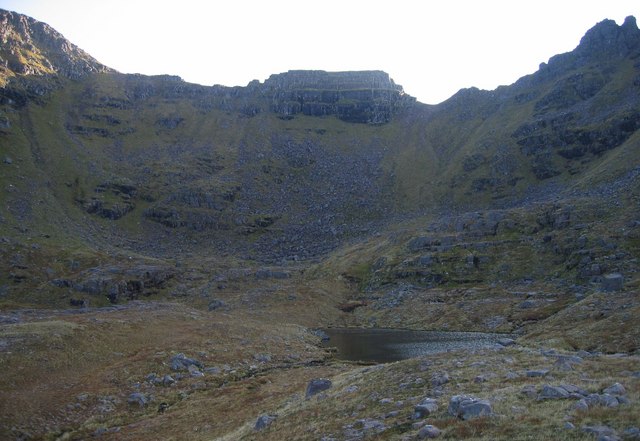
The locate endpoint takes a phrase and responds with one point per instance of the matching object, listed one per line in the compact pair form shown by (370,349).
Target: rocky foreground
(162,370)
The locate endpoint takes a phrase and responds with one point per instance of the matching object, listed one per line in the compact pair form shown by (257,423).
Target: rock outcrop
(30,47)
(361,97)
(119,282)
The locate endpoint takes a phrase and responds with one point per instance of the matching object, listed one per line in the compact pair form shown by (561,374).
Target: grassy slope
(104,356)
(81,368)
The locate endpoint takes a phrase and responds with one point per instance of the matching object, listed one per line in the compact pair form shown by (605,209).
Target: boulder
(563,391)
(615,389)
(425,408)
(574,359)
(370,425)
(320,333)
(527,304)
(565,363)
(428,432)
(467,407)
(529,390)
(194,371)
(533,373)
(216,304)
(601,432)
(168,380)
(262,358)
(264,421)
(316,386)
(612,282)
(553,393)
(575,391)
(181,362)
(138,398)
(581,405)
(505,341)
(439,379)
(605,400)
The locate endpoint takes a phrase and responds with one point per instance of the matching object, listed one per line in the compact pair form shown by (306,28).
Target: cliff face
(362,97)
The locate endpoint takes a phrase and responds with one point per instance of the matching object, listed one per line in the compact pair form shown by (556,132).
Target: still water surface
(386,345)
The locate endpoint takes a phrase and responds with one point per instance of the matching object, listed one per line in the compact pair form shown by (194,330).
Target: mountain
(30,47)
(243,215)
(294,165)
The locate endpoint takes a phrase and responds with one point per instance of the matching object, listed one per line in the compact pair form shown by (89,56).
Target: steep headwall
(362,97)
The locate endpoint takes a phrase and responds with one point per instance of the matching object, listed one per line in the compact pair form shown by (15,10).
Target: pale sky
(431,48)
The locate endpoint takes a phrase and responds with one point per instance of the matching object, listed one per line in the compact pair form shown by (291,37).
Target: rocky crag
(359,97)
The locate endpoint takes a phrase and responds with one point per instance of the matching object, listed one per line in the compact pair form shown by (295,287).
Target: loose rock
(615,389)
(264,421)
(216,304)
(194,371)
(320,333)
(138,398)
(537,373)
(553,393)
(429,432)
(262,358)
(467,407)
(506,341)
(181,362)
(529,390)
(581,405)
(316,386)
(601,432)
(168,380)
(425,408)
(439,379)
(612,282)
(563,391)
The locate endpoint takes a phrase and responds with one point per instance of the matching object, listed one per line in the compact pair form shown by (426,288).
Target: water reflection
(386,345)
